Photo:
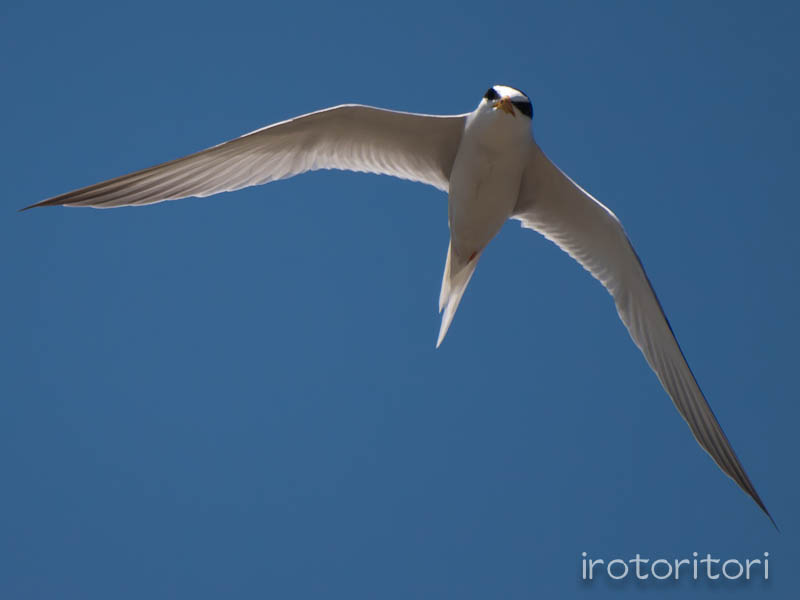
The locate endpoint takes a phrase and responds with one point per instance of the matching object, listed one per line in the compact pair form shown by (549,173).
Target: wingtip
(774,524)
(757,499)
(35,205)
(769,516)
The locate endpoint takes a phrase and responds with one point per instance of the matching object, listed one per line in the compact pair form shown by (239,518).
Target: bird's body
(493,170)
(484,183)
(484,188)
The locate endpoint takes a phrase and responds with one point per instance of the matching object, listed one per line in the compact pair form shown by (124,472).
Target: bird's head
(505,99)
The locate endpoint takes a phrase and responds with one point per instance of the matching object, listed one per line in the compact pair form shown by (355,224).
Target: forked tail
(457,274)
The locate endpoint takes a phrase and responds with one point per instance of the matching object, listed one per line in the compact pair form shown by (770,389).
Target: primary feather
(553,205)
(349,137)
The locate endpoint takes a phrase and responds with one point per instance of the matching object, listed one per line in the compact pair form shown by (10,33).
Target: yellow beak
(505,105)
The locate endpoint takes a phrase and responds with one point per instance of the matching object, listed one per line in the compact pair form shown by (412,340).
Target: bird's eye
(525,107)
(491,94)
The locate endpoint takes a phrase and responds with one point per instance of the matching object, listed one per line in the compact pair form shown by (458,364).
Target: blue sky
(240,395)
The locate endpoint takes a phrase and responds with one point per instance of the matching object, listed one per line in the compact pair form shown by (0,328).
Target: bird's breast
(484,186)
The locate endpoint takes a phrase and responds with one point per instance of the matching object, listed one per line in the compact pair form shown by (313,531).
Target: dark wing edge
(554,206)
(348,137)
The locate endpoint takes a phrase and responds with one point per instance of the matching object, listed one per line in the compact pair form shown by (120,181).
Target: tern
(492,169)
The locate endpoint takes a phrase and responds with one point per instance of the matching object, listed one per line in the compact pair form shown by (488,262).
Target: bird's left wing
(349,137)
(553,205)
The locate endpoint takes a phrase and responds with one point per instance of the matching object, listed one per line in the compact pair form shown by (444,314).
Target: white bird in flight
(492,169)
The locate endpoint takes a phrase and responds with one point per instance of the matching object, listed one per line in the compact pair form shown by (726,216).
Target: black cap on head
(518,98)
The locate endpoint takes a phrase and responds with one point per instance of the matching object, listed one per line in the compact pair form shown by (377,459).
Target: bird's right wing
(349,137)
(553,205)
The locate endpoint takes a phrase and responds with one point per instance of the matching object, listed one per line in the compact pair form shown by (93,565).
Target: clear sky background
(239,396)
